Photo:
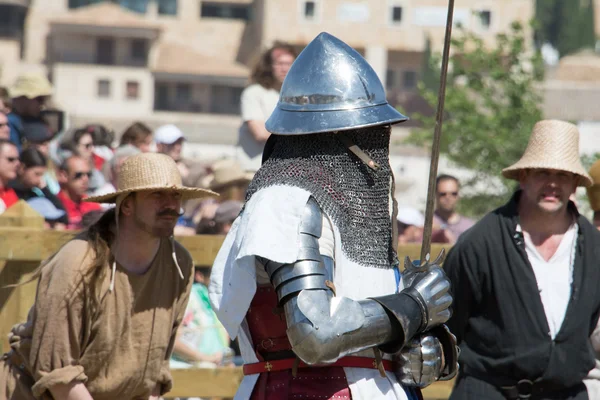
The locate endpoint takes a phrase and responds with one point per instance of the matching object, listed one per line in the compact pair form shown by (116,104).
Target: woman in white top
(259,100)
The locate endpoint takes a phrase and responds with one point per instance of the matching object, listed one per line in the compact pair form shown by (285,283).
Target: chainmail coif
(356,198)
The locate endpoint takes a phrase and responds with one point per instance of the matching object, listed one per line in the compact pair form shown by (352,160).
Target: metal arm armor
(321,327)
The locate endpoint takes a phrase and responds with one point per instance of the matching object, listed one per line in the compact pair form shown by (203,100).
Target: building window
(485,18)
(409,79)
(310,10)
(161,96)
(132,90)
(167,7)
(12,21)
(183,92)
(225,99)
(82,3)
(390,78)
(139,6)
(138,49)
(103,88)
(105,51)
(396,14)
(225,10)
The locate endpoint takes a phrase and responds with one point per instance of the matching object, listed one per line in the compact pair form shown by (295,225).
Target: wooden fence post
(15,302)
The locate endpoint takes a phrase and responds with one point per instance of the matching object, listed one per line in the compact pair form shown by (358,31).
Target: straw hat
(227,172)
(150,171)
(553,145)
(31,86)
(593,191)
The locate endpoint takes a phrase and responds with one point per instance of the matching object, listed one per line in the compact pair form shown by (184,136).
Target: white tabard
(268,227)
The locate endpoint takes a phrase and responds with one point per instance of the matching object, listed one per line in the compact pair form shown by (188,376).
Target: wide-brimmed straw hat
(31,85)
(150,171)
(593,191)
(553,145)
(227,172)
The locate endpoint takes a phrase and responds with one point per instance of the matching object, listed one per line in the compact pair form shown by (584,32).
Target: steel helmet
(330,87)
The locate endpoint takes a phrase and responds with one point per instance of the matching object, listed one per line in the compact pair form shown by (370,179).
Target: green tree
(492,102)
(566,24)
(429,75)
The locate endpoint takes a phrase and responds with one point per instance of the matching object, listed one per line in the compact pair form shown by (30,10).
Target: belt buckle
(525,388)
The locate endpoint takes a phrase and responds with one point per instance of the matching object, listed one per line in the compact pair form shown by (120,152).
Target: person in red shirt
(74,177)
(9,162)
(81,143)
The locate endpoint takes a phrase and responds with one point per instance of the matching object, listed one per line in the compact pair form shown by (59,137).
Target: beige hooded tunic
(121,351)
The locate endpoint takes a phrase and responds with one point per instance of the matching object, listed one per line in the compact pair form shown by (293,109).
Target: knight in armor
(307,279)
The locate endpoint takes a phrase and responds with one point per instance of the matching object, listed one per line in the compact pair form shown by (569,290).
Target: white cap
(411,216)
(168,134)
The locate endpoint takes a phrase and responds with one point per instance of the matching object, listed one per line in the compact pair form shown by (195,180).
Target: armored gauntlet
(428,357)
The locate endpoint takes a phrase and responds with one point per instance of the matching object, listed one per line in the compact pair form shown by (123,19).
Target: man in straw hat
(109,301)
(307,277)
(29,94)
(525,281)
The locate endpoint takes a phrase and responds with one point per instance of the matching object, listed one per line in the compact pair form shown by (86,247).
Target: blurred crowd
(55,170)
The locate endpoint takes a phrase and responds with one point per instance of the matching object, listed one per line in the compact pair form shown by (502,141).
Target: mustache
(169,212)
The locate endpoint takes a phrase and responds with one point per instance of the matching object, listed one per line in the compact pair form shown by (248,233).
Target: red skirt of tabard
(309,383)
(268,331)
(267,325)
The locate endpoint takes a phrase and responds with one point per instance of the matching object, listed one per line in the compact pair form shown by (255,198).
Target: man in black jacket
(525,282)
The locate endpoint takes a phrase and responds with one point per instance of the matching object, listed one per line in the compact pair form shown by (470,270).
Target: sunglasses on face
(444,194)
(79,175)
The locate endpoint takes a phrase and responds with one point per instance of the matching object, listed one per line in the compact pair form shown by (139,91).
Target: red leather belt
(288,363)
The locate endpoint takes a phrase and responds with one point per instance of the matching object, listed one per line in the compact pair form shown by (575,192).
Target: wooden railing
(24,243)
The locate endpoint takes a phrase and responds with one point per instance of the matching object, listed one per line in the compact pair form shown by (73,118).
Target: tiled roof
(180,59)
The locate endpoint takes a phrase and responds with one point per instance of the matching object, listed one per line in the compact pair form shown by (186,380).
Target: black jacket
(499,319)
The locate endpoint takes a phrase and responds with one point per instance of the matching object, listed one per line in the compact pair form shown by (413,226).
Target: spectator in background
(74,176)
(30,184)
(227,212)
(38,136)
(448,223)
(81,143)
(9,162)
(138,135)
(102,138)
(201,339)
(5,101)
(111,171)
(410,225)
(259,100)
(169,140)
(229,180)
(29,95)
(221,223)
(593,193)
(4,128)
